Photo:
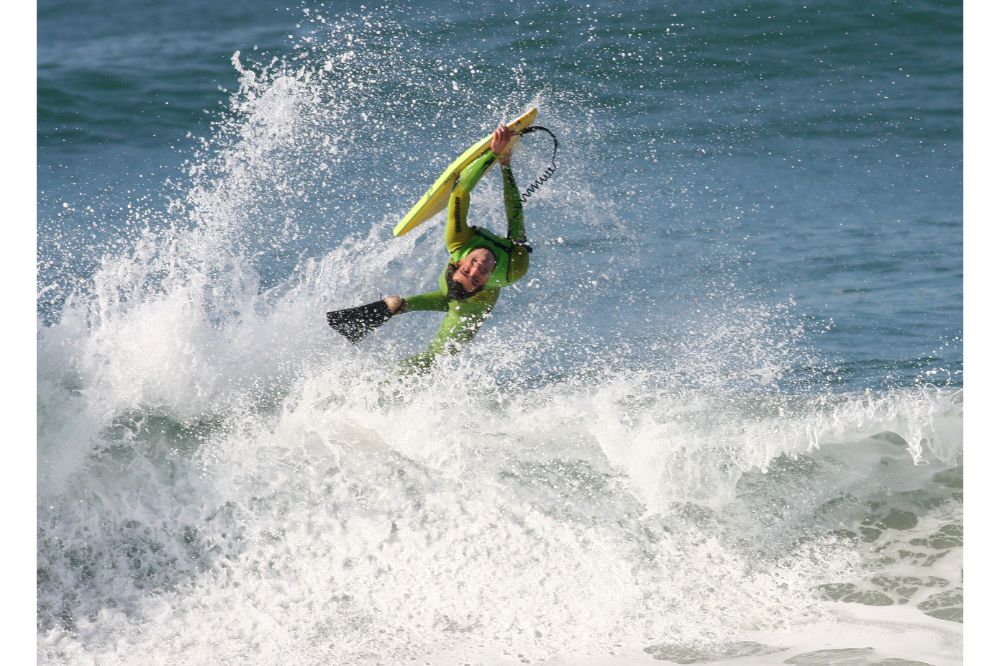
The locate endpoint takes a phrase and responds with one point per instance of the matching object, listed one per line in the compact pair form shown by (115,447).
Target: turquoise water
(721,420)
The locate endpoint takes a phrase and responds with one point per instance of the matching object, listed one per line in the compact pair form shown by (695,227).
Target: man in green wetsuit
(481,264)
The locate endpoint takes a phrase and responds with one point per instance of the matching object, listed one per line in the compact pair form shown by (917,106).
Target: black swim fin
(356,323)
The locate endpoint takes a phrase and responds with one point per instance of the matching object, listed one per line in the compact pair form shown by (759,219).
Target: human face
(474,270)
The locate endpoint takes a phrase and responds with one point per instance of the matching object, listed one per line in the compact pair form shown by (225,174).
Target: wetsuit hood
(511,258)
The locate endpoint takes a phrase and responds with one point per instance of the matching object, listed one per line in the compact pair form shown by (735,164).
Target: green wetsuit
(466,316)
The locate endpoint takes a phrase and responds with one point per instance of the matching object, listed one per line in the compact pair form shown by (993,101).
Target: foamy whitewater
(652,451)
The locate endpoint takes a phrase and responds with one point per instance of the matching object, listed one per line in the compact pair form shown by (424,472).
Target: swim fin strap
(355,323)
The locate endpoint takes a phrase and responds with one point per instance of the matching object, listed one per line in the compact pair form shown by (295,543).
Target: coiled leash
(549,170)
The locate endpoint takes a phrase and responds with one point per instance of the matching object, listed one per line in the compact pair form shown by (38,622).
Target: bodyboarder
(480,264)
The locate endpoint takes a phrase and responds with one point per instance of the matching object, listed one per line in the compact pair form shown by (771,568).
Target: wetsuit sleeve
(432,300)
(459,326)
(457,232)
(513,206)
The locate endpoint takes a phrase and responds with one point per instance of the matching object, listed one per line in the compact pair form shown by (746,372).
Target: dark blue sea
(720,421)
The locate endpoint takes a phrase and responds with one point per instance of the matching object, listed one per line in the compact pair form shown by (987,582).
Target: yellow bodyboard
(436,198)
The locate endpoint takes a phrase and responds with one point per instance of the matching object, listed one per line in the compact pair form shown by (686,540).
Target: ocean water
(720,422)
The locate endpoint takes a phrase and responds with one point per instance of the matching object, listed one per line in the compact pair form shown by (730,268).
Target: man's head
(471,273)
